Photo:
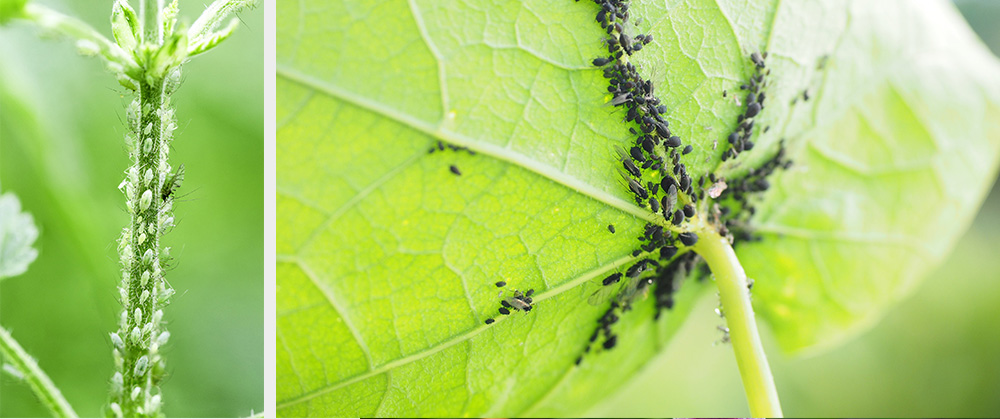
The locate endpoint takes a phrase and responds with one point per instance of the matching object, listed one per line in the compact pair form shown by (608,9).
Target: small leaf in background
(389,246)
(17,234)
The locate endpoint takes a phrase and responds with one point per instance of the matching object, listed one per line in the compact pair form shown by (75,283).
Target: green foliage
(387,260)
(10,9)
(47,151)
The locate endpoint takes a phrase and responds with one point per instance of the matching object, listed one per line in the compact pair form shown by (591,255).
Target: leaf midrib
(459,338)
(439,132)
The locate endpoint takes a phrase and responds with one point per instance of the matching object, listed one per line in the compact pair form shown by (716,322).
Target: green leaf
(387,260)
(10,9)
(17,234)
(125,25)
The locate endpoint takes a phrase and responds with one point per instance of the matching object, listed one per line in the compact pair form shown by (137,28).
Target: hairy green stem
(144,291)
(735,297)
(40,383)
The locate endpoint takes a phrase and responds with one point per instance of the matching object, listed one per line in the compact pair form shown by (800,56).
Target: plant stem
(735,297)
(144,292)
(40,383)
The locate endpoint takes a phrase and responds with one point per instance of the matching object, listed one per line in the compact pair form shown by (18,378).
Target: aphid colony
(657,179)
(652,172)
(735,224)
(518,301)
(739,140)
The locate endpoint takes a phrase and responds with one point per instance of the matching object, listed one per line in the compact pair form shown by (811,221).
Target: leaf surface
(387,260)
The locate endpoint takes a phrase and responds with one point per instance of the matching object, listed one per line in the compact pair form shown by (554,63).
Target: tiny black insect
(489,321)
(610,343)
(667,252)
(688,211)
(753,109)
(173,182)
(687,149)
(630,167)
(756,58)
(673,142)
(611,279)
(504,311)
(654,205)
(611,228)
(454,169)
(529,293)
(501,284)
(688,238)
(678,218)
(601,62)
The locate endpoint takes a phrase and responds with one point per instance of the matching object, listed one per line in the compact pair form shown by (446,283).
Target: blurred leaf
(10,9)
(17,233)
(387,259)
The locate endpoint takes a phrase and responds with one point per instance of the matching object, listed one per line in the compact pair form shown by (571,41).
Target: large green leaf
(387,260)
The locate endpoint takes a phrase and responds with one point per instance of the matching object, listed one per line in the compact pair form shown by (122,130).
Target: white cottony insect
(148,176)
(162,339)
(157,316)
(136,335)
(144,296)
(141,365)
(154,403)
(144,278)
(137,315)
(145,200)
(117,381)
(142,238)
(117,410)
(135,392)
(147,257)
(117,340)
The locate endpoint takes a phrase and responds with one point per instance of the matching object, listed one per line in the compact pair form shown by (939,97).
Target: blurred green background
(935,354)
(62,153)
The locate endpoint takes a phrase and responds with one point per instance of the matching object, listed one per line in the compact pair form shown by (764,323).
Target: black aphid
(670,199)
(630,167)
(529,293)
(611,279)
(688,238)
(667,252)
(756,58)
(173,182)
(611,228)
(688,211)
(678,218)
(610,342)
(667,182)
(673,142)
(687,149)
(504,311)
(753,109)
(454,169)
(489,321)
(601,62)
(654,205)
(501,284)
(637,189)
(637,155)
